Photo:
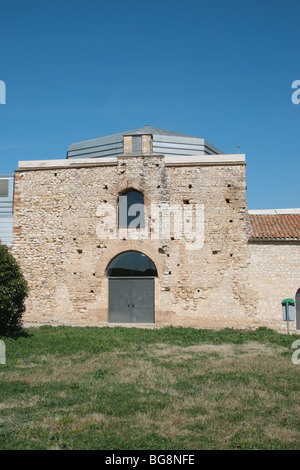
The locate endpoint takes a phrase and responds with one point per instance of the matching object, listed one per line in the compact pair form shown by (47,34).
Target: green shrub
(13,291)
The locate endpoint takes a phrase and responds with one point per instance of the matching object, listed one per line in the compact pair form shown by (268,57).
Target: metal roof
(164,142)
(154,131)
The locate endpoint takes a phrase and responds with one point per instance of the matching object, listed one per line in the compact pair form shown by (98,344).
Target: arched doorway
(298,309)
(131,288)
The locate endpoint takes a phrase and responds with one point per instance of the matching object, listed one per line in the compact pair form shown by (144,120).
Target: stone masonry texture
(59,222)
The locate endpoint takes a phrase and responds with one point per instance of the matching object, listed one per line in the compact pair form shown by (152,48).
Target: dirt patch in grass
(72,421)
(223,350)
(55,369)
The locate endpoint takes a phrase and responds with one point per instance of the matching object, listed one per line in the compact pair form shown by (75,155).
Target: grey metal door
(131,300)
(298,309)
(142,300)
(120,309)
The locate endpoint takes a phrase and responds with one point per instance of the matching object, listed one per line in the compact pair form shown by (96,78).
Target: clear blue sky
(217,69)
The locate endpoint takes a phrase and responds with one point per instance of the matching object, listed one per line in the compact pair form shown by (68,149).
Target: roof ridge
(156,130)
(294,211)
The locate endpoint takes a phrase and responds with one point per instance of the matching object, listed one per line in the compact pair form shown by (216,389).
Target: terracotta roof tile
(275,227)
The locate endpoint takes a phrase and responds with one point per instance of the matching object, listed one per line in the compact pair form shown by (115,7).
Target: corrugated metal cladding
(6,208)
(164,142)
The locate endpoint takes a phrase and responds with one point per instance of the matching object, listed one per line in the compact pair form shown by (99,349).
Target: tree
(13,292)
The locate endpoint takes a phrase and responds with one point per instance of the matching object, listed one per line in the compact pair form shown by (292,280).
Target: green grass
(156,389)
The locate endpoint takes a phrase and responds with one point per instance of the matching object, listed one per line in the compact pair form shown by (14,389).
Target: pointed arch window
(131,209)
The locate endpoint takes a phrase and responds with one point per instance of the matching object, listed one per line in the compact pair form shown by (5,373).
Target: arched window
(131,209)
(131,264)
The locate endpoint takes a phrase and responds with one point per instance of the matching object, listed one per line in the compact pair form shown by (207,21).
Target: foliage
(13,291)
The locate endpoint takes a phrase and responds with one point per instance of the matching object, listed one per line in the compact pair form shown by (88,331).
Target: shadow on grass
(15,333)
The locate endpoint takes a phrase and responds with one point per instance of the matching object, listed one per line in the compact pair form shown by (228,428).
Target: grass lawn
(155,389)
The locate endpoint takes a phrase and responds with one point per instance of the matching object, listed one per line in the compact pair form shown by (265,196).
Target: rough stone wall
(275,275)
(59,218)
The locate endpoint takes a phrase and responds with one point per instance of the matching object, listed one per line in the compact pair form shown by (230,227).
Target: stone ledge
(188,160)
(65,163)
(170,160)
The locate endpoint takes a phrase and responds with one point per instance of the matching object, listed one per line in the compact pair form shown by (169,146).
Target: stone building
(151,227)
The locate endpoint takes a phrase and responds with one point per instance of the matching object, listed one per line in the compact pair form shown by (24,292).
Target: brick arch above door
(130,245)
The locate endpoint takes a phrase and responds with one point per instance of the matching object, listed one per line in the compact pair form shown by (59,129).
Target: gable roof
(275,225)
